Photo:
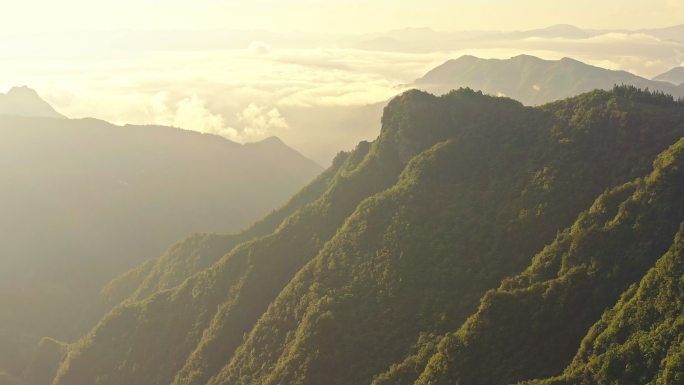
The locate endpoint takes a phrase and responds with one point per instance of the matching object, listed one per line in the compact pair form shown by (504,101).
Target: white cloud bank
(254,122)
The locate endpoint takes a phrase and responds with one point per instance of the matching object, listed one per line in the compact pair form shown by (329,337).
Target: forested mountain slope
(533,323)
(640,340)
(415,258)
(408,233)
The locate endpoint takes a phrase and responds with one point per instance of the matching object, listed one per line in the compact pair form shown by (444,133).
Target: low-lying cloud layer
(255,122)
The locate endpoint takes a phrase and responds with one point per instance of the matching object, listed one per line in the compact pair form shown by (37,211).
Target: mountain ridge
(456,194)
(532,80)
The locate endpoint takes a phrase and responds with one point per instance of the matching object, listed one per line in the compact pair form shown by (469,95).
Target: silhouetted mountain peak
(571,60)
(525,57)
(568,62)
(25,101)
(566,31)
(563,28)
(465,58)
(22,91)
(274,147)
(271,141)
(674,76)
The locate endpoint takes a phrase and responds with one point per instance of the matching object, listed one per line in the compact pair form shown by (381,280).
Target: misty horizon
(249,85)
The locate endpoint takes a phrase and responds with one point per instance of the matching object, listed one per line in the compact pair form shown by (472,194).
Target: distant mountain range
(674,76)
(532,80)
(82,200)
(428,40)
(672,33)
(526,78)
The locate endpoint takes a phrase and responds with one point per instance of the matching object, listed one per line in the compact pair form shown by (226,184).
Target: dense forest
(475,241)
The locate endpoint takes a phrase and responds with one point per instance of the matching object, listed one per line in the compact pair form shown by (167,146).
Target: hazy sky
(334,15)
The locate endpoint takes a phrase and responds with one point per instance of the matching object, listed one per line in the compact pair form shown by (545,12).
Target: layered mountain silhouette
(532,80)
(674,76)
(475,241)
(24,101)
(526,78)
(84,200)
(565,31)
(672,33)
